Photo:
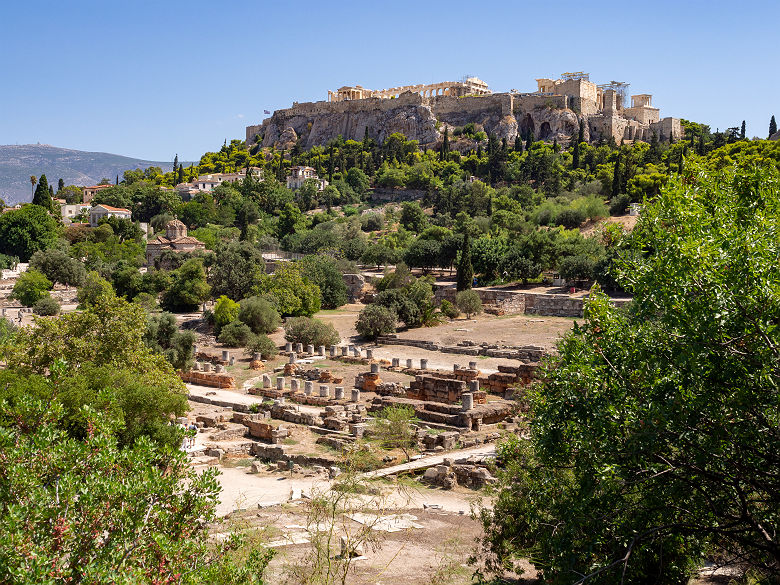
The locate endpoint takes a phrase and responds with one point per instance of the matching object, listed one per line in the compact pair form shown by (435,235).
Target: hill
(75,167)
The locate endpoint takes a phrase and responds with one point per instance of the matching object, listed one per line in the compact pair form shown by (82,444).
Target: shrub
(449,309)
(225,311)
(468,301)
(46,306)
(59,267)
(375,320)
(310,331)
(570,218)
(235,334)
(264,345)
(8,262)
(580,267)
(259,314)
(322,271)
(619,204)
(30,287)
(94,287)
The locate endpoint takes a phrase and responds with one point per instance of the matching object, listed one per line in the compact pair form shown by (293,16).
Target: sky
(154,79)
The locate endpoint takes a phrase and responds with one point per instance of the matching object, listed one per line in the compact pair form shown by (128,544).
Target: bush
(235,334)
(619,205)
(468,301)
(46,306)
(264,346)
(570,218)
(580,267)
(225,311)
(259,314)
(30,287)
(59,267)
(322,271)
(375,320)
(449,309)
(310,331)
(8,262)
(94,287)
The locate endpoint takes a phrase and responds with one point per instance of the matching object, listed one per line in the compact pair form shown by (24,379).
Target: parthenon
(466,86)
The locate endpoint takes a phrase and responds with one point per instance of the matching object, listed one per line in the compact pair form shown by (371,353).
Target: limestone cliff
(418,118)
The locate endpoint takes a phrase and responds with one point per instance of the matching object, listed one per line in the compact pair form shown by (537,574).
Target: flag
(266,112)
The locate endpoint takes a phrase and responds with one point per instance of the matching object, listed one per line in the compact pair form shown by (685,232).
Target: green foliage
(25,231)
(259,314)
(42,195)
(225,311)
(237,270)
(291,293)
(412,217)
(46,306)
(448,309)
(30,287)
(93,288)
(264,345)
(516,265)
(465,274)
(310,332)
(8,262)
(468,301)
(188,289)
(654,433)
(163,336)
(375,320)
(579,267)
(619,205)
(322,271)
(393,428)
(59,267)
(235,334)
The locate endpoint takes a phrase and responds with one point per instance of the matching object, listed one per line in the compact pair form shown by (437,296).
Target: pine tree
(772,126)
(742,131)
(617,178)
(60,185)
(175,164)
(465,272)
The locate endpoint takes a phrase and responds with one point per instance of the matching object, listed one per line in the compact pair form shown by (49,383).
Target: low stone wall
(531,353)
(212,379)
(386,194)
(433,389)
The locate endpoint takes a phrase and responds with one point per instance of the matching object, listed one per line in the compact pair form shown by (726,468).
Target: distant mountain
(75,167)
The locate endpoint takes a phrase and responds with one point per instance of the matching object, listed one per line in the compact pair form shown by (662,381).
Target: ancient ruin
(175,239)
(422,112)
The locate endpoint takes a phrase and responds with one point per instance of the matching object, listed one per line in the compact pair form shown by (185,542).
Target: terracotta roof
(186,240)
(174,223)
(110,208)
(159,240)
(97,187)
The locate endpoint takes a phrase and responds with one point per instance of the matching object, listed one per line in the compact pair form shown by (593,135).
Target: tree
(237,270)
(423,254)
(25,231)
(375,320)
(291,293)
(235,334)
(742,131)
(465,272)
(310,331)
(225,311)
(772,126)
(263,345)
(517,265)
(412,217)
(42,196)
(259,314)
(445,145)
(33,181)
(30,287)
(163,336)
(60,185)
(322,271)
(468,301)
(617,177)
(93,288)
(655,431)
(393,428)
(46,306)
(59,267)
(188,289)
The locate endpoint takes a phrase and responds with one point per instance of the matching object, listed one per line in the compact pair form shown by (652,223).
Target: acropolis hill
(421,112)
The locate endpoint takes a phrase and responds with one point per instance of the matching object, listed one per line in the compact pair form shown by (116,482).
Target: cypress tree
(529,140)
(518,143)
(117,180)
(772,126)
(581,133)
(465,272)
(671,138)
(42,195)
(330,164)
(555,145)
(60,185)
(445,145)
(180,178)
(742,131)
(281,166)
(616,178)
(479,151)
(701,145)
(575,156)
(175,164)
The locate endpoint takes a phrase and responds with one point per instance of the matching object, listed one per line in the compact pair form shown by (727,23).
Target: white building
(299,175)
(70,211)
(210,182)
(100,211)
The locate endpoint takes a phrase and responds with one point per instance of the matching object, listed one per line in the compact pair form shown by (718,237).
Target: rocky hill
(75,167)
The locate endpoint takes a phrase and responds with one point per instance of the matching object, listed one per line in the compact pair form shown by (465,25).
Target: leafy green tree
(263,345)
(654,432)
(225,311)
(59,267)
(291,220)
(25,231)
(375,320)
(516,265)
(322,271)
(93,288)
(47,306)
(423,254)
(291,293)
(163,336)
(237,270)
(259,314)
(235,334)
(42,196)
(412,217)
(468,301)
(30,287)
(188,289)
(358,180)
(310,331)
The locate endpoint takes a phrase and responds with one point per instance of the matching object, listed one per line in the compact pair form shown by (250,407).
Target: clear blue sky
(151,79)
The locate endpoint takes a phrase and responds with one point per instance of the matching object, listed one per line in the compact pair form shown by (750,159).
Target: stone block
(338,393)
(355,395)
(325,391)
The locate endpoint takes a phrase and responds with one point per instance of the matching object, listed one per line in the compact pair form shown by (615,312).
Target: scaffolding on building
(620,87)
(575,75)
